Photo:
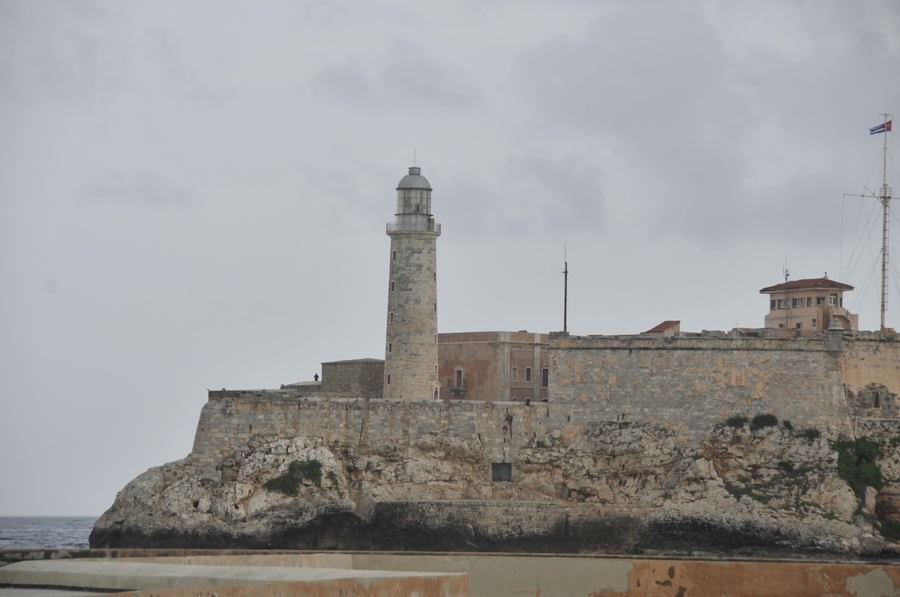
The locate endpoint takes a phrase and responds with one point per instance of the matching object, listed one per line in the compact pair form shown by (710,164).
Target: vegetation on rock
(890,530)
(763,421)
(857,462)
(289,482)
(736,421)
(811,433)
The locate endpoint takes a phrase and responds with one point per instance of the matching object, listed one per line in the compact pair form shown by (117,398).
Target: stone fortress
(543,442)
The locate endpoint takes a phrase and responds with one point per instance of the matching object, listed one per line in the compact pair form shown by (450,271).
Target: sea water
(45,531)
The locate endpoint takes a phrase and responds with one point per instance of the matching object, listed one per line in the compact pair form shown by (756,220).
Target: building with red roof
(811,304)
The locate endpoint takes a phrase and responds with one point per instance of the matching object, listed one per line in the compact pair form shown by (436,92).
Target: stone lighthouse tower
(411,352)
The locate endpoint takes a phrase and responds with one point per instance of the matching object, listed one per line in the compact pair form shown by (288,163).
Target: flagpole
(884,197)
(885,226)
(565,290)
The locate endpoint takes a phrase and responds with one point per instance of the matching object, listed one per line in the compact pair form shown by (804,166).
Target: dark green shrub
(857,462)
(890,530)
(334,479)
(736,421)
(739,492)
(786,465)
(811,433)
(787,425)
(763,421)
(288,483)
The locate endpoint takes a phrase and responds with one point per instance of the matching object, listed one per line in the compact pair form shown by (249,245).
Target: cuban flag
(881,128)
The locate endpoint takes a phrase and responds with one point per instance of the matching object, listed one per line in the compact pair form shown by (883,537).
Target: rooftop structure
(665,329)
(504,366)
(808,304)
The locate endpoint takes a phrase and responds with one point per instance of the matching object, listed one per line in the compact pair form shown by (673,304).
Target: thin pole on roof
(565,289)
(884,197)
(787,301)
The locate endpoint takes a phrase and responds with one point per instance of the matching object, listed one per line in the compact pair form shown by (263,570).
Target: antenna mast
(885,225)
(565,290)
(884,197)
(787,301)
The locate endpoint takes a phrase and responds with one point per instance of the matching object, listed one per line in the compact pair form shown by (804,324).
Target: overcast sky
(194,194)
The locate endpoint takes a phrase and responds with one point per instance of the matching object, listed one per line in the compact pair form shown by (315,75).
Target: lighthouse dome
(414,180)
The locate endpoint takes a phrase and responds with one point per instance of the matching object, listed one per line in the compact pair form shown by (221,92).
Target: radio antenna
(565,289)
(883,196)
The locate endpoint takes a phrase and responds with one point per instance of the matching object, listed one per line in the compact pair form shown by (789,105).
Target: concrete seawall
(502,575)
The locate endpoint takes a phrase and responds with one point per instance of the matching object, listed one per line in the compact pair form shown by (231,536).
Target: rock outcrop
(613,487)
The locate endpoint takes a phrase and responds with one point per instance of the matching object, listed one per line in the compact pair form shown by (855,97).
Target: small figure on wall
(316,377)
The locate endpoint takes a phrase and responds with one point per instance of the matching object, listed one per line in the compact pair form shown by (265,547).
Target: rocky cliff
(600,486)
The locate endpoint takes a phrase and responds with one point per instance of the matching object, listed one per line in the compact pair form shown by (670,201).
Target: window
(435,307)
(390,346)
(799,326)
(501,471)
(780,326)
(527,373)
(820,300)
(545,377)
(514,374)
(772,304)
(814,323)
(809,301)
(797,302)
(832,300)
(391,317)
(783,303)
(876,397)
(393,255)
(389,379)
(459,379)
(392,286)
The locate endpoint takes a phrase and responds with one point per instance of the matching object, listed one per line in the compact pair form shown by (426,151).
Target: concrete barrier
(232,581)
(518,575)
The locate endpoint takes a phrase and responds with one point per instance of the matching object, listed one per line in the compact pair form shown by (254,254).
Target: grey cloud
(533,194)
(82,66)
(168,52)
(660,94)
(343,193)
(656,82)
(561,194)
(403,82)
(81,52)
(146,187)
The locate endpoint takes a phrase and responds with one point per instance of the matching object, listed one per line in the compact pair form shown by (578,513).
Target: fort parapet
(687,384)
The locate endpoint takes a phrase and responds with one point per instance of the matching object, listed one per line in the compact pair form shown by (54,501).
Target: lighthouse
(411,351)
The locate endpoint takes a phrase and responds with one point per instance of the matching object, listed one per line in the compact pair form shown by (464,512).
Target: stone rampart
(691,383)
(229,424)
(870,370)
(687,384)
(363,378)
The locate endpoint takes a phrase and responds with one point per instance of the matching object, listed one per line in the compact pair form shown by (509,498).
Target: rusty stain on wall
(661,578)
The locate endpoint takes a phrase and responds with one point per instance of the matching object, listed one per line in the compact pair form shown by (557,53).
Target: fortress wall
(693,383)
(362,377)
(866,361)
(689,384)
(500,429)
